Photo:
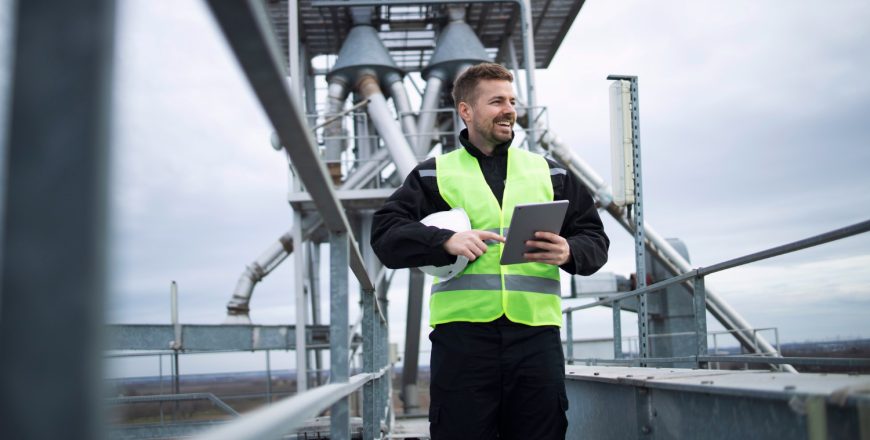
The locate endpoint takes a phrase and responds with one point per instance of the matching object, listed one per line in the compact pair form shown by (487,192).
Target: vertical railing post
(176,345)
(617,329)
(338,330)
(569,336)
(637,221)
(640,252)
(299,296)
(268,379)
(384,351)
(700,305)
(369,323)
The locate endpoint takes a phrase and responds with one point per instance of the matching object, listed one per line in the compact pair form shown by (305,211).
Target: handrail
(815,240)
(285,415)
(740,359)
(699,294)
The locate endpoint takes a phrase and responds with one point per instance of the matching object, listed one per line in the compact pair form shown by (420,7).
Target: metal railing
(160,398)
(696,278)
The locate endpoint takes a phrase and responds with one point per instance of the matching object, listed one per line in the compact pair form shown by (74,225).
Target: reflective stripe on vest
(493,282)
(528,293)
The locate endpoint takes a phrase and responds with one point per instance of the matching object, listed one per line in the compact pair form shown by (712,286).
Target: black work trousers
(497,380)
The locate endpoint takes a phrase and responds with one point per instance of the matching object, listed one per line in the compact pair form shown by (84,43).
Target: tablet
(527,220)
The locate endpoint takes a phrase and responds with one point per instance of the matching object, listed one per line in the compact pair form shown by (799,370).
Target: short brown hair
(466,84)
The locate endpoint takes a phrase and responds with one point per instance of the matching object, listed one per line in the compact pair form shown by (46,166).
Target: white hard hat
(455,220)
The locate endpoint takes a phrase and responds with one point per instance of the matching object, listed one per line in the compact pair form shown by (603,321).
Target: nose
(509,108)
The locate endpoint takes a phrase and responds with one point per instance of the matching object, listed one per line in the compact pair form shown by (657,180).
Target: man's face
(490,118)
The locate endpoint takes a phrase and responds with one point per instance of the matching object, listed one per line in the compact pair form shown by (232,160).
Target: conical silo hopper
(457,48)
(365,65)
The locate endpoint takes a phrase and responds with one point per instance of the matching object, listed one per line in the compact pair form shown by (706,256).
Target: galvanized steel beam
(213,337)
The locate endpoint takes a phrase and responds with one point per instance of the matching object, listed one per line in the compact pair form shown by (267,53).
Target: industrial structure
(348,149)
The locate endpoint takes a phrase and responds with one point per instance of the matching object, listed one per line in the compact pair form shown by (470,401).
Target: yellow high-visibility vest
(528,293)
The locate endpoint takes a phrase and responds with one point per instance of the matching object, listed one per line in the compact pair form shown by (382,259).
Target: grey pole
(617,330)
(295,68)
(53,242)
(529,62)
(370,419)
(338,330)
(639,249)
(569,337)
(512,51)
(412,341)
(314,284)
(268,379)
(299,292)
(700,309)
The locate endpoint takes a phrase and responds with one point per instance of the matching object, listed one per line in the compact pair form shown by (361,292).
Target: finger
(468,254)
(540,258)
(546,245)
(549,236)
(488,235)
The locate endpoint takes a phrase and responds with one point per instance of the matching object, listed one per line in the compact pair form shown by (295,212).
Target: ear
(465,111)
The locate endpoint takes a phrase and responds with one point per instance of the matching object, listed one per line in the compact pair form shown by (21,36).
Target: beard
(491,131)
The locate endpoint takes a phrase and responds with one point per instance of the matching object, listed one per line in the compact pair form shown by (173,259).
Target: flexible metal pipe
(388,129)
(657,245)
(334,132)
(237,308)
(426,123)
(403,106)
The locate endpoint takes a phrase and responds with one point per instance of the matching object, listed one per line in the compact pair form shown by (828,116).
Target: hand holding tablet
(545,219)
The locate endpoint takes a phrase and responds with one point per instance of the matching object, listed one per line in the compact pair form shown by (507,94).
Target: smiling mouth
(507,124)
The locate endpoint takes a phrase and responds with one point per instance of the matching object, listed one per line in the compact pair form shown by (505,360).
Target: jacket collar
(499,150)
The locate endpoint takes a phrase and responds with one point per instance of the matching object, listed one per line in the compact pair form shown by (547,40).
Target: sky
(754,131)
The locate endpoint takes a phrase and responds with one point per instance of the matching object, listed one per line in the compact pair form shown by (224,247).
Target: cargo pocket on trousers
(563,401)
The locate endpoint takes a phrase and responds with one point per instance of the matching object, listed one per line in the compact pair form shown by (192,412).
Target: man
(497,365)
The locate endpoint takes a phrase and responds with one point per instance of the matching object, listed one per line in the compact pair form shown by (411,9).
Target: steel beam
(339,329)
(54,224)
(212,337)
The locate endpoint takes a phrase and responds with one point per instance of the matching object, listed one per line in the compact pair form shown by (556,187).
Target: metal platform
(410,31)
(673,403)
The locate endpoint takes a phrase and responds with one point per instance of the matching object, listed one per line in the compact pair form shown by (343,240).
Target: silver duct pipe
(387,127)
(334,132)
(428,114)
(657,245)
(403,107)
(237,308)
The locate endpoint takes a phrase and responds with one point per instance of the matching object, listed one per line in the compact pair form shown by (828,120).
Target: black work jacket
(400,240)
